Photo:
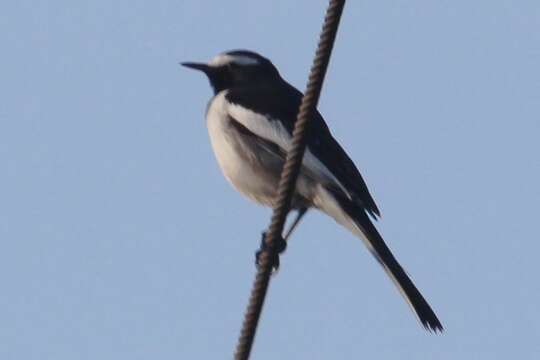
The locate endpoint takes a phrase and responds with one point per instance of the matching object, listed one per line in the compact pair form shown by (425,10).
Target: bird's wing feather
(274,121)
(273,130)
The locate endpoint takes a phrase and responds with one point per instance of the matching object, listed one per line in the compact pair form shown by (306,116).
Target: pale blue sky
(119,238)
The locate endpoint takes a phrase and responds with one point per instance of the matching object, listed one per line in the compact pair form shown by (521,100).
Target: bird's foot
(280,246)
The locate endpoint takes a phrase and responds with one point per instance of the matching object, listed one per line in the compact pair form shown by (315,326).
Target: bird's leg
(299,216)
(281,242)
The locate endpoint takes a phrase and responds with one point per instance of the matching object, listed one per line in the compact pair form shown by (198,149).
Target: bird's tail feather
(355,219)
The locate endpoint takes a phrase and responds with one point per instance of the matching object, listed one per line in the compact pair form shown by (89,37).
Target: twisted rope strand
(289,176)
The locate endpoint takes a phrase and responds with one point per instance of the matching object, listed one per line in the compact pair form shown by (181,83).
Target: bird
(250,121)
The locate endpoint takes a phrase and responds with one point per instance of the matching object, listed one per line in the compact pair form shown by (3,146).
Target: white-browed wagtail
(250,121)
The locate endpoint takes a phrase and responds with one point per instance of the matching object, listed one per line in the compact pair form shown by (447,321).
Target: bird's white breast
(217,122)
(234,165)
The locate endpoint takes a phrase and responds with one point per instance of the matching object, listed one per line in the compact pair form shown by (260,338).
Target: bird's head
(237,68)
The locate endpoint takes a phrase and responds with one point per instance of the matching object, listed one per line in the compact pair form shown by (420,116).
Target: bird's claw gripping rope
(280,246)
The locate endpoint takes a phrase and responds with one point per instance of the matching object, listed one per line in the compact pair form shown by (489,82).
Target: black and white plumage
(250,121)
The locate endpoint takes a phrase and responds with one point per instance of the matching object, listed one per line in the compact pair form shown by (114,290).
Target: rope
(289,176)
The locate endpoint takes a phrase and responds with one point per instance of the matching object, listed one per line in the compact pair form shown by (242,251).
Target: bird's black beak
(197,66)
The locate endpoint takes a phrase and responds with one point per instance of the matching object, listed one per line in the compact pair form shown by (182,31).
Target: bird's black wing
(282,102)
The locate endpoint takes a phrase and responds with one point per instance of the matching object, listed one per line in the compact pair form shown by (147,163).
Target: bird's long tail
(354,218)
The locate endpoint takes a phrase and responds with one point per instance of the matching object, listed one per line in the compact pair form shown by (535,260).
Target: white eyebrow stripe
(224,59)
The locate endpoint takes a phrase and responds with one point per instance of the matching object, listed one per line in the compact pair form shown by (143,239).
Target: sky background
(120,239)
